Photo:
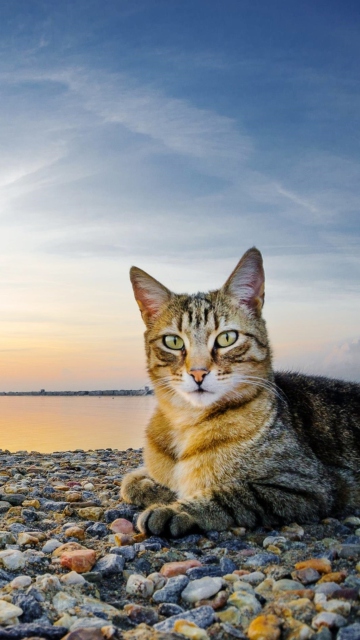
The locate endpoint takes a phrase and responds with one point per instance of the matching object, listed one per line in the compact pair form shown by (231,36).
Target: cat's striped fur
(231,442)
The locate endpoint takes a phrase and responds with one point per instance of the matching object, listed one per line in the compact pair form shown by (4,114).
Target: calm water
(63,423)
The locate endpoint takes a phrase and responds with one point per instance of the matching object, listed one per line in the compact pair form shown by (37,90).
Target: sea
(65,423)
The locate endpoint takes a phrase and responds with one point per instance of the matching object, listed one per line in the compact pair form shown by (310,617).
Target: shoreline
(71,560)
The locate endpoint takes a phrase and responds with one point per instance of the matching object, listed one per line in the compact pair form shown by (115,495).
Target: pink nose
(198,375)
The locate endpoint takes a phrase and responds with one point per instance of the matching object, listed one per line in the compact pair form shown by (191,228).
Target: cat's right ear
(150,294)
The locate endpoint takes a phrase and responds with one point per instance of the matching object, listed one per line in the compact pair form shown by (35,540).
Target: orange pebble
(170,569)
(320,564)
(334,576)
(266,627)
(75,532)
(81,560)
(121,525)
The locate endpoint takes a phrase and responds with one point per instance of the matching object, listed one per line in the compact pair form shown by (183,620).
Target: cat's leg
(140,489)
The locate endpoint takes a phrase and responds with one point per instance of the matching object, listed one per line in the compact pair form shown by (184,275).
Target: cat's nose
(199,375)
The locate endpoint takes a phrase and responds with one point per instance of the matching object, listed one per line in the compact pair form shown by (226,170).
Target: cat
(231,442)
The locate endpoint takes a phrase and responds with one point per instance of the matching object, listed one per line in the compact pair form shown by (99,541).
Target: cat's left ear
(246,284)
(150,294)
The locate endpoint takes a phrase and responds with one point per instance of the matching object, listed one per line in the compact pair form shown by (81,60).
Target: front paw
(138,488)
(170,520)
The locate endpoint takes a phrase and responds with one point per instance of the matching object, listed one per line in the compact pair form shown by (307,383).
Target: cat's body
(232,443)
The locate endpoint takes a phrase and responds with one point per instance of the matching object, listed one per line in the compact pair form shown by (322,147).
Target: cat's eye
(226,338)
(173,342)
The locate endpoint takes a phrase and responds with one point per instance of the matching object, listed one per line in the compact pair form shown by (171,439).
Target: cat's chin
(199,399)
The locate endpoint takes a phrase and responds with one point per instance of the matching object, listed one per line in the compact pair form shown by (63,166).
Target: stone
(322,565)
(327,619)
(352,632)
(91,513)
(20,582)
(230,615)
(337,606)
(12,559)
(72,578)
(261,560)
(247,604)
(87,623)
(328,588)
(190,630)
(333,576)
(29,605)
(140,586)
(6,538)
(33,630)
(75,532)
(212,570)
(349,551)
(97,530)
(127,552)
(306,576)
(73,496)
(168,609)
(62,601)
(47,582)
(253,578)
(287,585)
(9,613)
(202,616)
(201,588)
(265,627)
(110,564)
(68,546)
(279,541)
(172,589)
(158,580)
(121,525)
(51,545)
(171,569)
(80,560)
(139,614)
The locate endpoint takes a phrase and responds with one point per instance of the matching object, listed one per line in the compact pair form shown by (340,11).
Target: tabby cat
(231,442)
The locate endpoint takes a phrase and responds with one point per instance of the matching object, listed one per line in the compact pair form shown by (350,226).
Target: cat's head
(207,347)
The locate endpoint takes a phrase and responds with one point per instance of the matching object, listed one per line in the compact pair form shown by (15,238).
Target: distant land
(145,391)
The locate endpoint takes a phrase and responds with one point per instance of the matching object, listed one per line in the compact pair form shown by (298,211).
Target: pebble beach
(73,565)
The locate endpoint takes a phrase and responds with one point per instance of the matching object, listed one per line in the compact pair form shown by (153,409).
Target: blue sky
(173,135)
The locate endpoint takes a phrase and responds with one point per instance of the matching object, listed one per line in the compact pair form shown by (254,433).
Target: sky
(174,135)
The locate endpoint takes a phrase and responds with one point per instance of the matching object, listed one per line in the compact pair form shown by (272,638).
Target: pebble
(121,525)
(327,619)
(20,582)
(138,585)
(202,616)
(110,564)
(261,560)
(352,632)
(9,613)
(171,591)
(72,578)
(12,559)
(201,588)
(286,585)
(322,565)
(170,569)
(51,545)
(190,630)
(80,560)
(265,627)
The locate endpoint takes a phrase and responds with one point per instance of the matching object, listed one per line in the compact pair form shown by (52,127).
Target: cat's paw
(166,519)
(138,488)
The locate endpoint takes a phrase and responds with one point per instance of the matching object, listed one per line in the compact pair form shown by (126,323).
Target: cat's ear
(246,284)
(150,295)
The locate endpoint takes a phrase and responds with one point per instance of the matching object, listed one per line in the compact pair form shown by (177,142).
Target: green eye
(173,342)
(226,338)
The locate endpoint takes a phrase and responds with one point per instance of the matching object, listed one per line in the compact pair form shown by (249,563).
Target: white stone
(279,541)
(48,582)
(62,601)
(20,582)
(12,559)
(337,606)
(327,619)
(51,545)
(158,579)
(94,623)
(88,486)
(72,578)
(201,589)
(9,613)
(138,585)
